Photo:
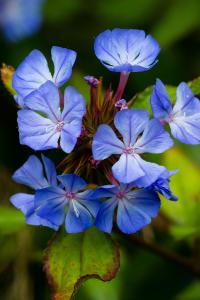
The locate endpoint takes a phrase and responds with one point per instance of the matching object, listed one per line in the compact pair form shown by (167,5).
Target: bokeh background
(74,24)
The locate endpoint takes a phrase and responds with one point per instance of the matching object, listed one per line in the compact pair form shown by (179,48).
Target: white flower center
(129,150)
(59,126)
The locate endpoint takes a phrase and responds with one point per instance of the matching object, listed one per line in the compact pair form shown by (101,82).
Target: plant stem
(121,87)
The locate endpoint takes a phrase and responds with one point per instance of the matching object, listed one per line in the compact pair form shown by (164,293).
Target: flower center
(120,195)
(128,150)
(59,126)
(70,195)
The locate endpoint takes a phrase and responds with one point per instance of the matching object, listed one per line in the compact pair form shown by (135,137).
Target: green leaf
(185,213)
(11,220)
(72,258)
(6,77)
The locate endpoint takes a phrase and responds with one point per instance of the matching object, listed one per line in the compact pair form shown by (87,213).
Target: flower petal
(104,218)
(50,204)
(151,170)
(127,169)
(161,185)
(186,129)
(63,60)
(130,123)
(45,100)
(74,105)
(50,170)
(105,191)
(37,132)
(72,182)
(31,73)
(148,53)
(135,213)
(154,139)
(160,102)
(31,174)
(126,50)
(105,143)
(26,204)
(79,220)
(185,101)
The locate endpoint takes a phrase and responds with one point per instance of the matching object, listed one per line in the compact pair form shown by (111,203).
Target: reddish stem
(122,84)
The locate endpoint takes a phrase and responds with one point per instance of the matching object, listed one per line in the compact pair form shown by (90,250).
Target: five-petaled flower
(32,175)
(82,205)
(135,208)
(183,118)
(43,130)
(126,50)
(131,123)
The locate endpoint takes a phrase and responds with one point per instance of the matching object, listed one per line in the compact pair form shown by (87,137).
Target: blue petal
(31,73)
(23,202)
(50,170)
(37,132)
(104,218)
(50,204)
(135,213)
(126,50)
(151,170)
(89,200)
(74,105)
(26,204)
(31,174)
(106,143)
(63,60)
(19,100)
(147,56)
(45,100)
(186,103)
(72,182)
(161,185)
(154,139)
(186,129)
(69,134)
(160,102)
(130,123)
(127,169)
(105,191)
(77,220)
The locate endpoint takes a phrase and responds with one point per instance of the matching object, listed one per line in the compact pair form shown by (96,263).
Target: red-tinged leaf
(71,259)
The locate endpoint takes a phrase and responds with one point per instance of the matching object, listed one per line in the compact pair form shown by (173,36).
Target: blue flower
(126,50)
(53,201)
(161,185)
(134,208)
(34,70)
(32,175)
(51,126)
(183,118)
(131,123)
(20,18)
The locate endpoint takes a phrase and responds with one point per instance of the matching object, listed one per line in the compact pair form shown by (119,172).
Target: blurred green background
(74,24)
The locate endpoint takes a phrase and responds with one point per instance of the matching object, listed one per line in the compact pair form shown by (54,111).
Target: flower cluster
(103,141)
